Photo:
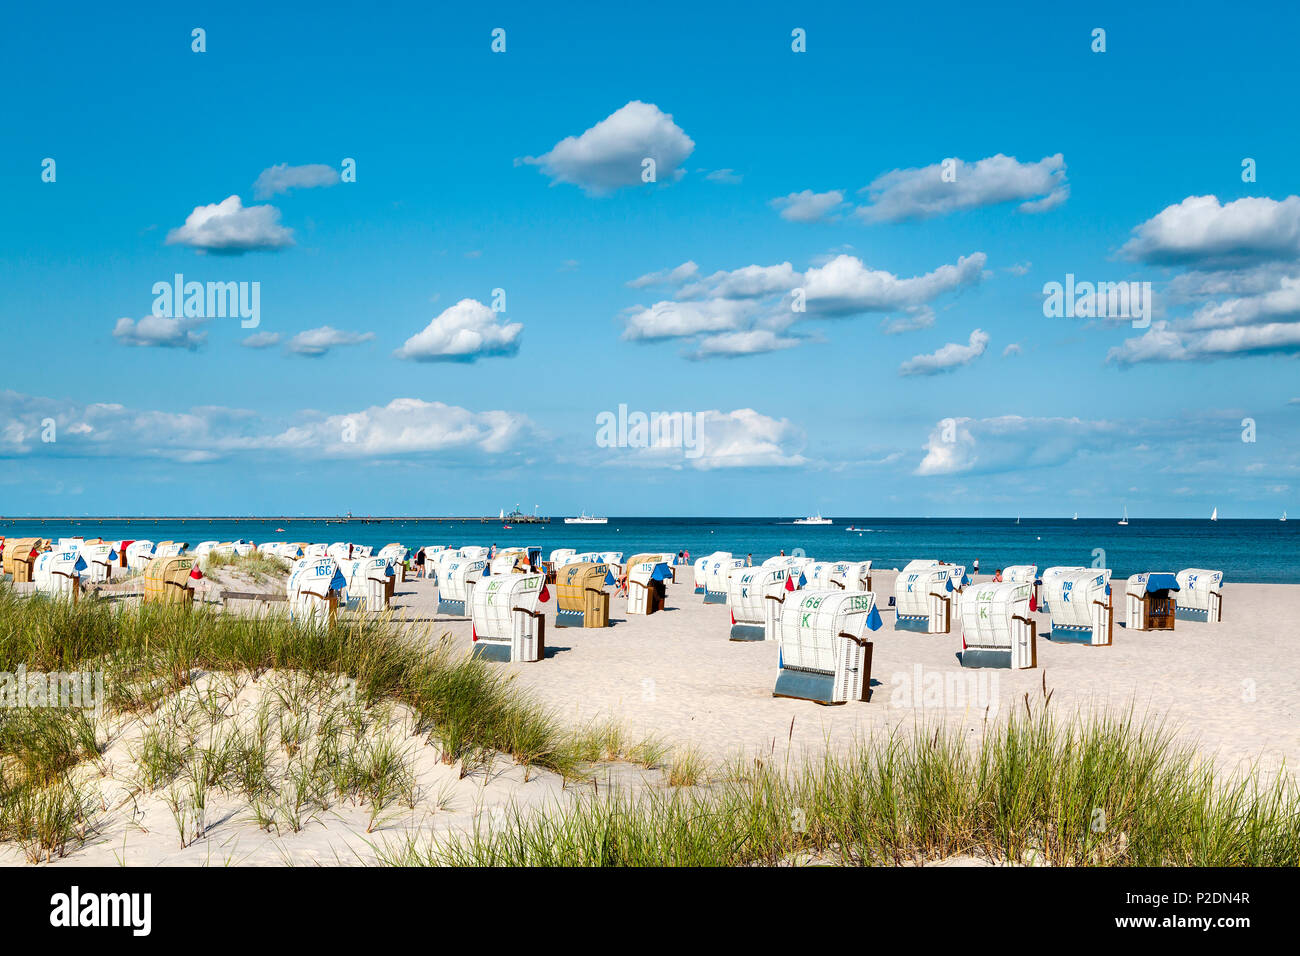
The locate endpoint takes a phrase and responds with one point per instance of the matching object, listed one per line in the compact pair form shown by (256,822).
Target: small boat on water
(1283,518)
(1124,520)
(1214,516)
(813,519)
(585,518)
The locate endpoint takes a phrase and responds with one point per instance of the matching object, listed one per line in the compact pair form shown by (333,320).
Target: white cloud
(917,317)
(745,311)
(230,228)
(317,342)
(261,340)
(669,320)
(464,332)
(808,206)
(1282,302)
(159,331)
(953,355)
(922,193)
(1014,443)
(743,438)
(609,156)
(405,426)
(749,342)
(846,286)
(1164,343)
(728,176)
(747,282)
(1012,349)
(1200,231)
(282,177)
(676,276)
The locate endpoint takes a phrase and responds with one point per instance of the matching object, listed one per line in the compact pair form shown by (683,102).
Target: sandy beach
(674,677)
(675,674)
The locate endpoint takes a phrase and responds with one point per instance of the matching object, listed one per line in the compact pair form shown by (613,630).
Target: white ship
(1214,516)
(585,518)
(813,519)
(1124,520)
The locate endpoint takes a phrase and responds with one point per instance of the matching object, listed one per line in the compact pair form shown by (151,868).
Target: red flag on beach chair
(545,594)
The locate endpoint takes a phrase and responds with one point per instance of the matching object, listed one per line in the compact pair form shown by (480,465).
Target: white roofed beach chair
(824,653)
(996,629)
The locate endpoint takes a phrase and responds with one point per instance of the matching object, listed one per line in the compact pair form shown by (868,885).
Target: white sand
(1231,686)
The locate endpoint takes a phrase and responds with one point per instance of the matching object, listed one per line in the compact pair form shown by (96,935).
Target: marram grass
(150,653)
(1094,791)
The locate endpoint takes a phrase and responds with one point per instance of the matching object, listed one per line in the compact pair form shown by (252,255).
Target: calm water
(1257,550)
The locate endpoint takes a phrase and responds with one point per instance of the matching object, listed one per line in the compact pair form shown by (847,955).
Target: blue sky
(923,377)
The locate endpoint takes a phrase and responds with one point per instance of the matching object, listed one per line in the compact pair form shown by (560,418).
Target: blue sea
(1264,551)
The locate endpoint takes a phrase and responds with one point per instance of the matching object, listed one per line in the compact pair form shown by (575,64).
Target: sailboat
(1124,520)
(1076,516)
(1283,518)
(1214,516)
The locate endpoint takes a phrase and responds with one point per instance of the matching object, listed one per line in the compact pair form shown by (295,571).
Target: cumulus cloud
(670,320)
(749,310)
(1165,343)
(749,342)
(261,340)
(405,426)
(282,177)
(923,193)
(917,317)
(846,286)
(317,342)
(676,276)
(1240,295)
(1202,232)
(609,156)
(464,332)
(230,228)
(154,330)
(1012,349)
(808,206)
(728,176)
(953,355)
(747,282)
(714,439)
(1014,442)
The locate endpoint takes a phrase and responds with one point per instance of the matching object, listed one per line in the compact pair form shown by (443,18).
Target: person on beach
(997,576)
(749,560)
(419,563)
(975,568)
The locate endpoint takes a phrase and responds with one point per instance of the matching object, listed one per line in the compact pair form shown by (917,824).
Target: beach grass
(1094,790)
(255,564)
(149,654)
